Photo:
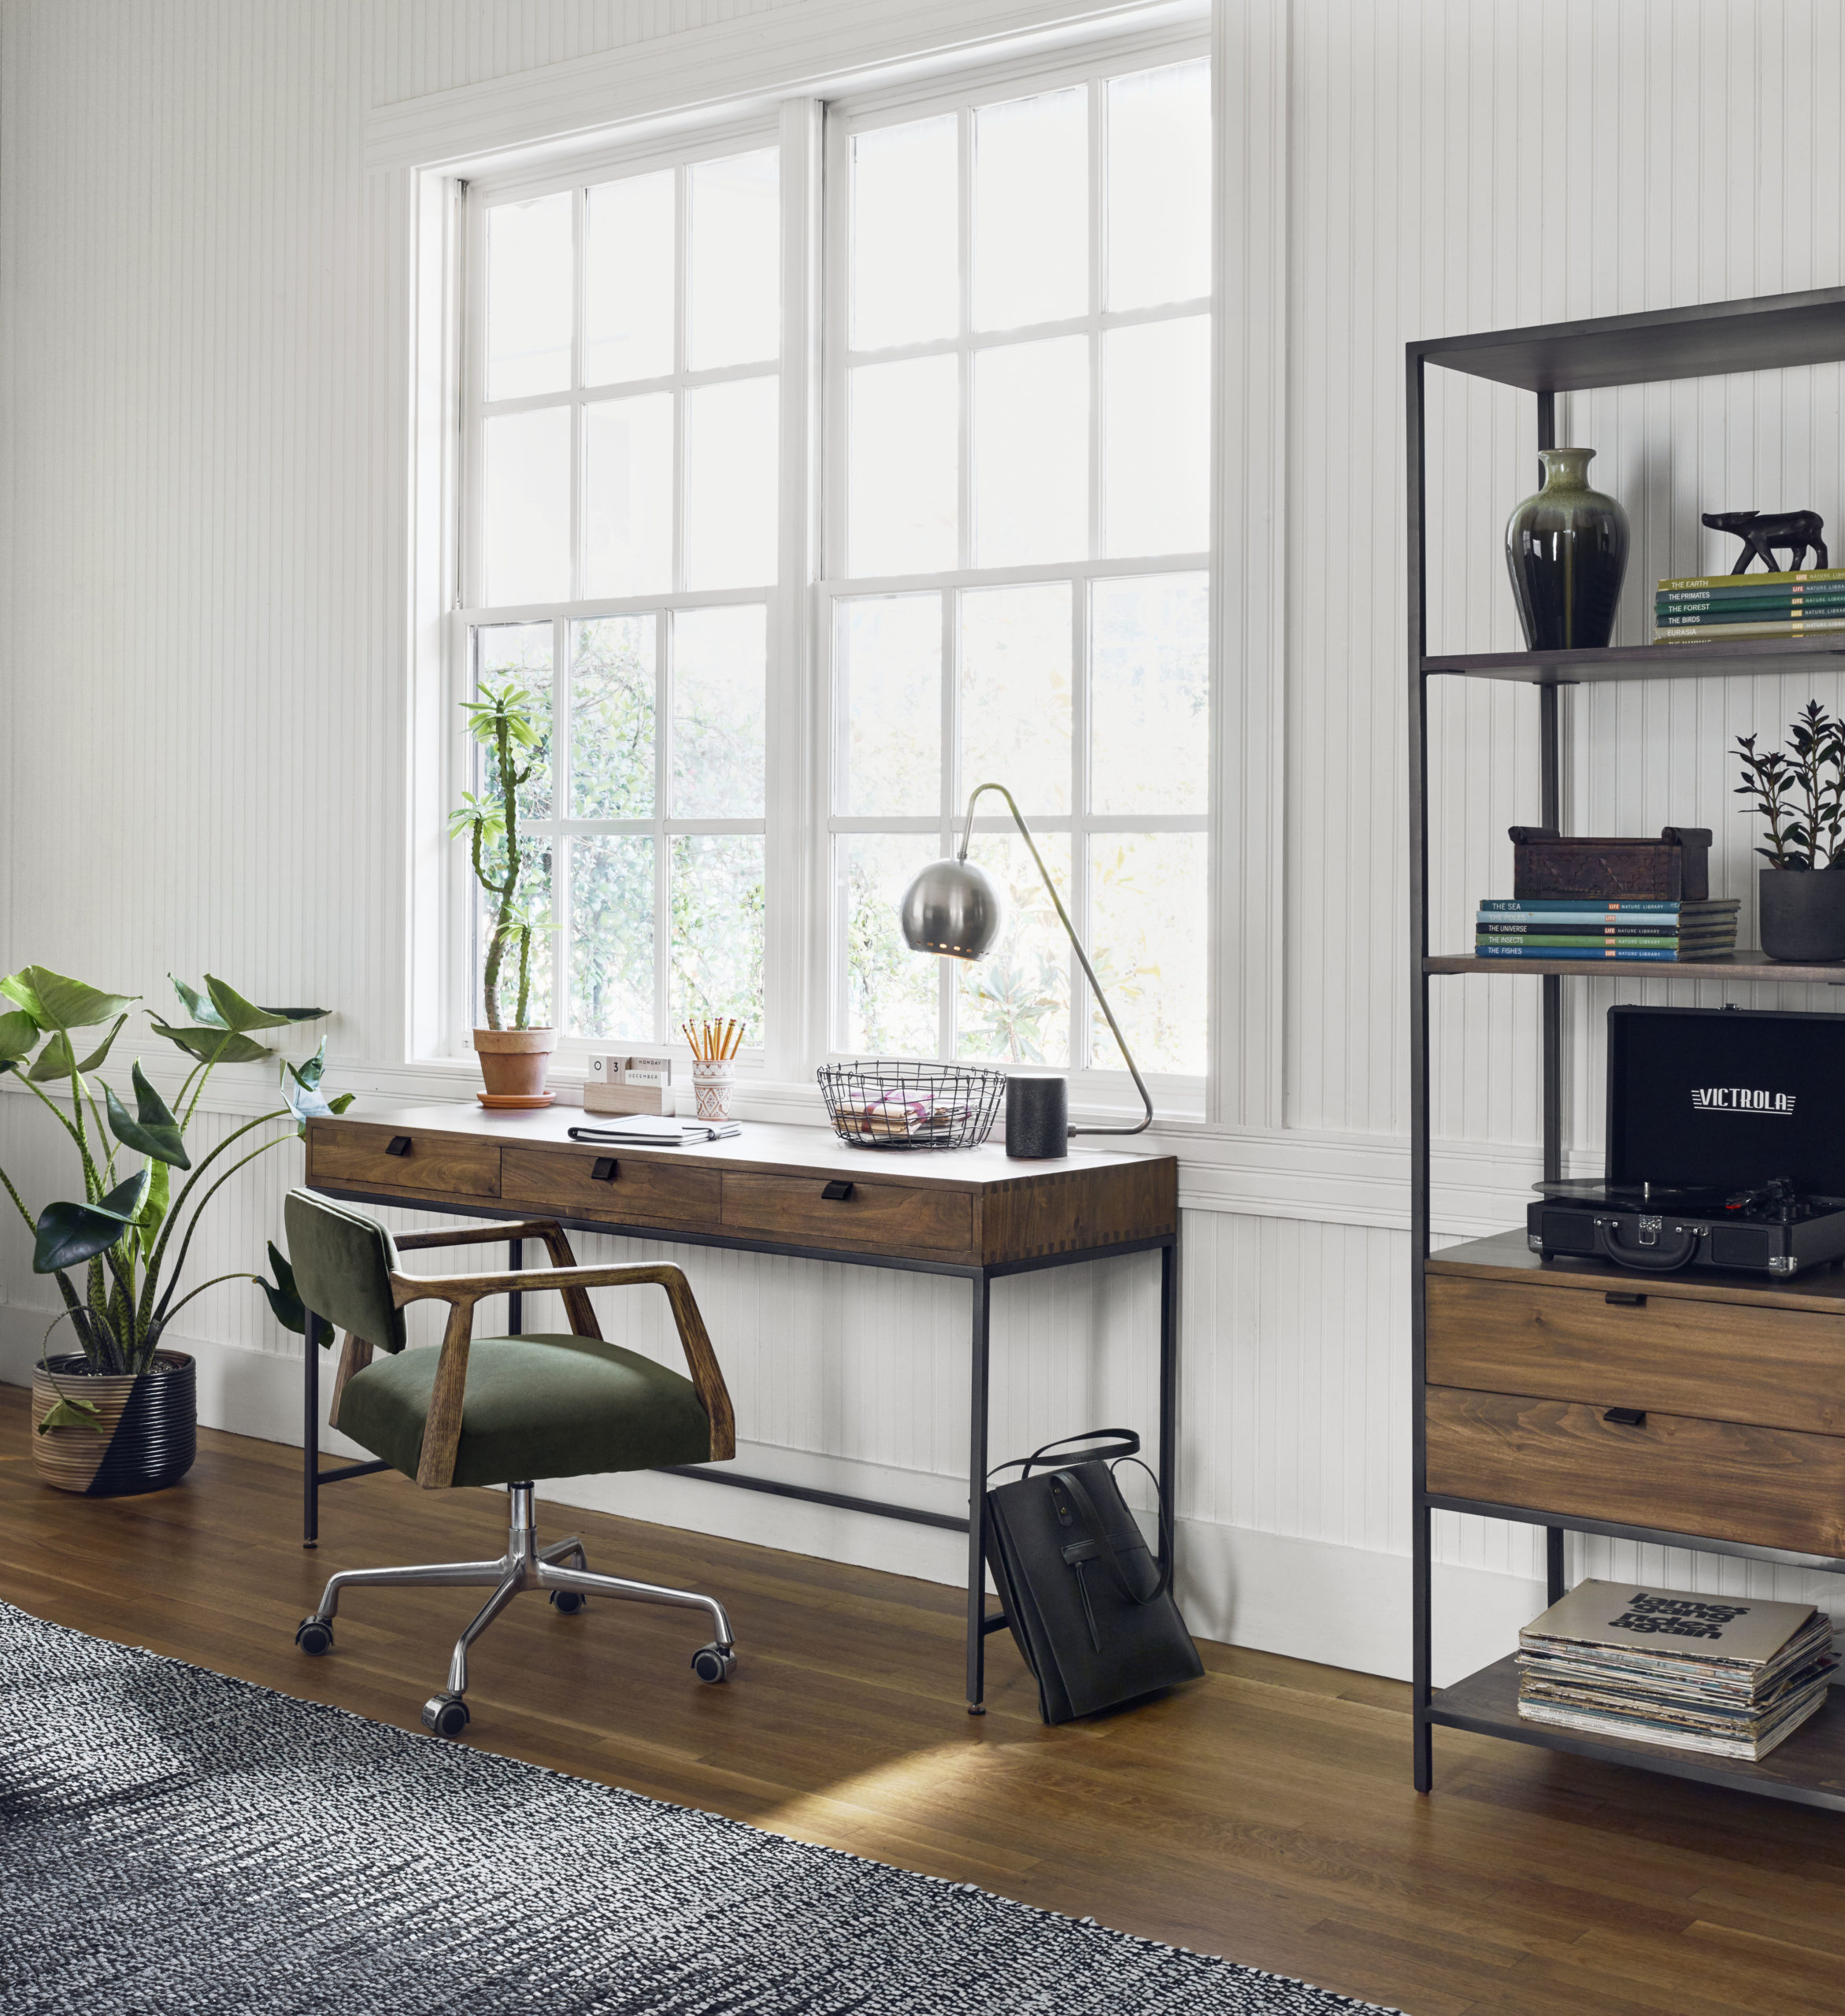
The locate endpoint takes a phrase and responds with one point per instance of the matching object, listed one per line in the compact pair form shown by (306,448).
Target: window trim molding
(700,85)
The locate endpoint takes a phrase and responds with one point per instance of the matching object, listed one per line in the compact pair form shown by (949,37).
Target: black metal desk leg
(976,1502)
(1168,1468)
(516,1301)
(1559,1589)
(310,1432)
(1421,1651)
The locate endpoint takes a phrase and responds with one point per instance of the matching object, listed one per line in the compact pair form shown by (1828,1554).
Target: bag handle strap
(1105,1547)
(1112,1444)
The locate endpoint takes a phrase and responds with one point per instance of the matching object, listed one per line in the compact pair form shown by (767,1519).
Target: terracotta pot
(148,1422)
(513,1062)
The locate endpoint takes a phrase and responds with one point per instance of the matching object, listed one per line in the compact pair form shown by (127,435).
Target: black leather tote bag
(1090,1610)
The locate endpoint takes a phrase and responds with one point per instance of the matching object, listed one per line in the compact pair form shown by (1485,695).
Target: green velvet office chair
(503,1411)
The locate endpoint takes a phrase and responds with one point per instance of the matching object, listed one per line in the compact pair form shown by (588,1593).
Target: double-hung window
(1019,430)
(1012,453)
(618,559)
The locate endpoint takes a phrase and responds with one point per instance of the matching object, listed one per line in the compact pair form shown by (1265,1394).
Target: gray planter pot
(1803,913)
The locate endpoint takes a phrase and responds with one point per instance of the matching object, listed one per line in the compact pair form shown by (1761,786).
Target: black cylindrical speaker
(1037,1118)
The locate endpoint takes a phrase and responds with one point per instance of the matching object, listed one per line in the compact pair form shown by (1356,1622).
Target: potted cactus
(514,1059)
(118,1415)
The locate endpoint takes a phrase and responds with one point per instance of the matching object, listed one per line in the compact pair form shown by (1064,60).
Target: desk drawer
(1764,1485)
(894,1218)
(638,1193)
(1778,1368)
(351,1155)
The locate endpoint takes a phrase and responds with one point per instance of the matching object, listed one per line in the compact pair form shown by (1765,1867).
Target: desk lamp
(952,908)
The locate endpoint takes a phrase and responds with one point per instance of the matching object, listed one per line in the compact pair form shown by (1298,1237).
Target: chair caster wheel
(568,1601)
(314,1634)
(445,1714)
(712,1663)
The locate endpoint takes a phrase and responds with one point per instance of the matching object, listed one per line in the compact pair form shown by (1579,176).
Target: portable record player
(1725,1146)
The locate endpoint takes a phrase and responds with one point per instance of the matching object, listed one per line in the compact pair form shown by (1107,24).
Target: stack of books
(1710,608)
(1693,1673)
(1604,928)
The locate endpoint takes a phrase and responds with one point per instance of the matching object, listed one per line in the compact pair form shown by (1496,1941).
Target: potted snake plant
(514,1059)
(119,1414)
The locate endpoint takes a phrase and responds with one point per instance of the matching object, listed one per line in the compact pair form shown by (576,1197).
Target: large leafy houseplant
(118,1253)
(504,721)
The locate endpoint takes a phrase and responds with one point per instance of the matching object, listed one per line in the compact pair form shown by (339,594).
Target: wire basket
(889,1104)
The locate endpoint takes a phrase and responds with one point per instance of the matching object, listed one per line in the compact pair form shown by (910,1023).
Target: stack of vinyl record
(1710,608)
(1604,927)
(1729,1678)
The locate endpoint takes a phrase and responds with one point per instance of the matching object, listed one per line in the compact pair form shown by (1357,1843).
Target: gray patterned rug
(173,1840)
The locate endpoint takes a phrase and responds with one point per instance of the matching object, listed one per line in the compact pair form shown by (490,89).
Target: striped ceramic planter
(148,1422)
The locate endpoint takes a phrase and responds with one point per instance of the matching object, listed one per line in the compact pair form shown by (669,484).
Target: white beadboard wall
(206,763)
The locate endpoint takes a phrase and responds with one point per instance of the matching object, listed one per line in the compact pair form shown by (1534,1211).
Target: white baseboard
(1309,1599)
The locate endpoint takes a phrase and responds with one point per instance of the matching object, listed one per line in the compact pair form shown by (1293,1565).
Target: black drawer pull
(837,1191)
(604,1169)
(1627,1417)
(400,1145)
(1625,1301)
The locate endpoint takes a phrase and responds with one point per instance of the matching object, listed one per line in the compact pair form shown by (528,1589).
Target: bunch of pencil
(712,1042)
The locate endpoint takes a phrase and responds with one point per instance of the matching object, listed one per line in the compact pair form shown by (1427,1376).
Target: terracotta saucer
(502,1102)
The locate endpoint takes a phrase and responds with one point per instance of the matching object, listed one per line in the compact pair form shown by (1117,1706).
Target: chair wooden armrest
(576,1304)
(441,1434)
(489,1235)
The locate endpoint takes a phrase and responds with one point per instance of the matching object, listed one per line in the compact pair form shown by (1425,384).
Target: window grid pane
(669,281)
(1086,209)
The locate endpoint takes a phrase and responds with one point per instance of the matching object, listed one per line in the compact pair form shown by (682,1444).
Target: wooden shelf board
(1635,661)
(1709,339)
(1744,963)
(1808,1767)
(1506,1255)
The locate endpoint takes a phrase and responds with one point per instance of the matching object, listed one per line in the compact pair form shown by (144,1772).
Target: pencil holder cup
(712,1087)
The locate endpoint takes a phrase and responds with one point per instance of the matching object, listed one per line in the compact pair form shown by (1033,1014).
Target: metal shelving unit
(1772,332)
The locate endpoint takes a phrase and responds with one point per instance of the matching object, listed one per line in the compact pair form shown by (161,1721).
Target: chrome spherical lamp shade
(953,908)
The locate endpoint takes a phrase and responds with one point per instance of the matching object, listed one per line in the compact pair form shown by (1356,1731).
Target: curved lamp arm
(967,834)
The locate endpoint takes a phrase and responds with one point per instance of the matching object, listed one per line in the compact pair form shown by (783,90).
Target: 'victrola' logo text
(1741,1098)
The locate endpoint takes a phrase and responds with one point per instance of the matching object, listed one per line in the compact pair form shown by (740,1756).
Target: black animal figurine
(1761,531)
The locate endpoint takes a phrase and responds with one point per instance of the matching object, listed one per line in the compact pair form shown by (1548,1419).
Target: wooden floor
(1264,1813)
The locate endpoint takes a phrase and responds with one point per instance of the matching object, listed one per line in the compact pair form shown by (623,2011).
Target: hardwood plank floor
(1264,1813)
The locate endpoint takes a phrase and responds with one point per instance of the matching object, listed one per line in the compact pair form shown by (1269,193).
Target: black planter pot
(149,1426)
(1803,913)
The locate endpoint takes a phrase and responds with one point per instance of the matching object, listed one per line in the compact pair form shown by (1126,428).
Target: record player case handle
(1663,1258)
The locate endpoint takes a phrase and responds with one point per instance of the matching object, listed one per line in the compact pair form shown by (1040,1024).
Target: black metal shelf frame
(1771,332)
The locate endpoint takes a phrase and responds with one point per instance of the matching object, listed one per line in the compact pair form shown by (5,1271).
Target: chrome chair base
(523,1565)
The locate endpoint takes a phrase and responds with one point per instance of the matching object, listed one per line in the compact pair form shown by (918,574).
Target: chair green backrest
(342,1263)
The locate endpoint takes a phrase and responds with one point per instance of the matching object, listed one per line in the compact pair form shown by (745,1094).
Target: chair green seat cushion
(533,1407)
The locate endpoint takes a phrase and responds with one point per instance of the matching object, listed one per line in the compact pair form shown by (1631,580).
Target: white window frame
(1176,1095)
(462,986)
(800,957)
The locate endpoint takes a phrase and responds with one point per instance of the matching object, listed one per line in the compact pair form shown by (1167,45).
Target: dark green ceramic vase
(1566,551)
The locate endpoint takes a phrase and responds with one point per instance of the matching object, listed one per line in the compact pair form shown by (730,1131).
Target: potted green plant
(513,1060)
(1800,795)
(119,1415)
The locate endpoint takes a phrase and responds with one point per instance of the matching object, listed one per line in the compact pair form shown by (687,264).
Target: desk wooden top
(965,1207)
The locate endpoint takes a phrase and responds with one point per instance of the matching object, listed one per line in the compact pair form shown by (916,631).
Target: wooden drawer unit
(351,1154)
(638,1192)
(1622,1347)
(1766,1486)
(892,1218)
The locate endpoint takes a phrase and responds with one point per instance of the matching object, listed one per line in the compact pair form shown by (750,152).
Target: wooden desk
(970,1213)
